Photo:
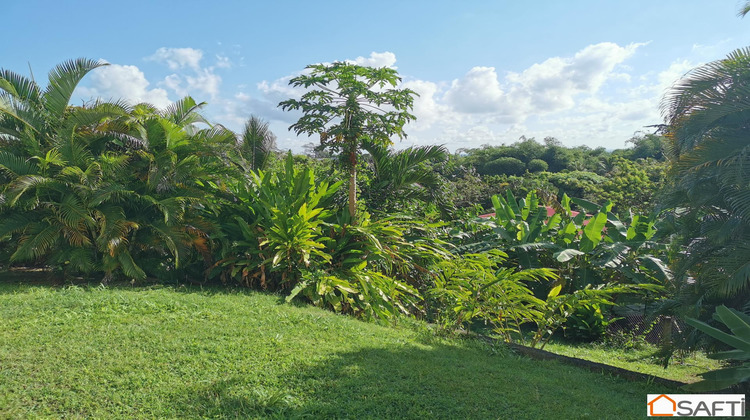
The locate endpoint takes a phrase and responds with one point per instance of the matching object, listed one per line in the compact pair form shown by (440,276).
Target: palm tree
(52,205)
(400,177)
(257,143)
(708,133)
(171,166)
(103,187)
(31,118)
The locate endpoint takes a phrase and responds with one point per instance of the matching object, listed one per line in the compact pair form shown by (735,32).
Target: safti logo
(696,405)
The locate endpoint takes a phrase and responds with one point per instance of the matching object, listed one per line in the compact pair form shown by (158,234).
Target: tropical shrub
(739,324)
(588,323)
(404,180)
(273,227)
(583,184)
(365,293)
(481,287)
(477,286)
(105,187)
(633,185)
(587,250)
(364,268)
(505,165)
(537,165)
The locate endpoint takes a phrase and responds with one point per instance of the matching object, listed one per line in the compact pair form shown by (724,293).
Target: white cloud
(673,73)
(205,81)
(178,58)
(550,86)
(478,91)
(280,89)
(554,84)
(376,59)
(426,108)
(191,79)
(123,82)
(591,97)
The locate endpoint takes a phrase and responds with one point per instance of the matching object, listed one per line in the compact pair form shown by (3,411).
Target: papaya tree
(348,105)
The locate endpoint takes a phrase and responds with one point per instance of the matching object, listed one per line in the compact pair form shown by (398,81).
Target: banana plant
(589,249)
(592,246)
(739,339)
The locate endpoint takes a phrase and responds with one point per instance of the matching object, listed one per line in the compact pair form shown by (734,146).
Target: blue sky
(585,72)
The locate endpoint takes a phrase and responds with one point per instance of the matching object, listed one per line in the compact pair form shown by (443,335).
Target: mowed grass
(646,359)
(161,352)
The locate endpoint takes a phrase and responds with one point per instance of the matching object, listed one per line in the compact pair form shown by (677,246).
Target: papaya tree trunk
(353,186)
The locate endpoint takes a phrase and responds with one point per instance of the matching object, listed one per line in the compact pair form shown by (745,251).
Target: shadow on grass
(414,382)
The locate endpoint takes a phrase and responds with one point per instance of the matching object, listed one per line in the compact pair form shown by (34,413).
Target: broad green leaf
(512,203)
(555,291)
(566,254)
(736,342)
(592,232)
(720,379)
(586,205)
(732,319)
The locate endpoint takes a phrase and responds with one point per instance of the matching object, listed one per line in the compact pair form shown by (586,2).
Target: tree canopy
(348,105)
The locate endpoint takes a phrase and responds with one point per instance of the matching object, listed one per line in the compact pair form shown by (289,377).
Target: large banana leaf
(739,325)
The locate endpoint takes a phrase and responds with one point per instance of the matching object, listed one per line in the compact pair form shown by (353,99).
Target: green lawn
(682,367)
(174,353)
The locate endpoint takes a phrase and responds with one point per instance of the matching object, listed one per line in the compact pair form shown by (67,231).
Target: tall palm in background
(708,116)
(256,144)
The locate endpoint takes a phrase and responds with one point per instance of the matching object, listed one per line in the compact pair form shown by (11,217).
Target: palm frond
(22,113)
(23,183)
(15,222)
(37,242)
(128,265)
(15,165)
(94,115)
(257,142)
(20,87)
(184,112)
(63,80)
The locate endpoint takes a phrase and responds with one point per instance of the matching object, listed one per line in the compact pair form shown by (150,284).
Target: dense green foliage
(348,107)
(594,257)
(707,129)
(103,188)
(630,178)
(116,191)
(708,115)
